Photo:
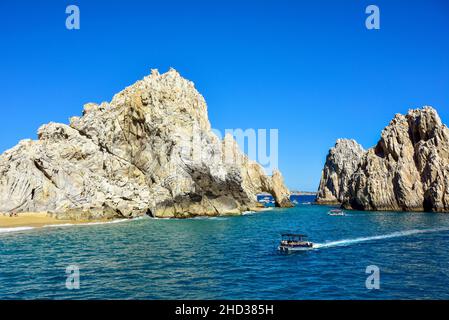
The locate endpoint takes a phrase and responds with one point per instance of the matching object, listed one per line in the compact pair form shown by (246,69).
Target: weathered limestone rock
(150,150)
(341,162)
(408,169)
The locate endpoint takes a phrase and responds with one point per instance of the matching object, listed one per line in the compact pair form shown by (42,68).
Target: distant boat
(266,200)
(336,212)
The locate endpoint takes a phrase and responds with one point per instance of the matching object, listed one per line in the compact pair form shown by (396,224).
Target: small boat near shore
(266,201)
(336,212)
(294,242)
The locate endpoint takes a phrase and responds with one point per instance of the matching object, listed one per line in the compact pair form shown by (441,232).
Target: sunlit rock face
(150,151)
(408,169)
(341,162)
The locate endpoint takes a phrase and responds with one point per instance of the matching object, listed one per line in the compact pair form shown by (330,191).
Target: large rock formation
(341,162)
(408,169)
(150,151)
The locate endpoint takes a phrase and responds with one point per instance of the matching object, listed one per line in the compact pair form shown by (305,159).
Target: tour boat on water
(294,242)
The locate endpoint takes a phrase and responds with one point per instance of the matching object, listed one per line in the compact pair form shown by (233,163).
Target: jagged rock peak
(341,162)
(408,169)
(150,150)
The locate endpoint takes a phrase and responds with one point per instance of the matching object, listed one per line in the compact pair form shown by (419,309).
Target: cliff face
(341,162)
(408,169)
(149,151)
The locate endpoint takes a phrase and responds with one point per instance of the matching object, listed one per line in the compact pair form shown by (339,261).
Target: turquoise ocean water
(233,257)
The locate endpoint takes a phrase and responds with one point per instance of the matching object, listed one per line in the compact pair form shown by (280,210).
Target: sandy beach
(31,219)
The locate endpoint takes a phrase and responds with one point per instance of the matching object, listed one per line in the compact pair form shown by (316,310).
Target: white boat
(294,242)
(336,212)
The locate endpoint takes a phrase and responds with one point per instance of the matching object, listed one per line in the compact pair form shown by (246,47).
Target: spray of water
(346,242)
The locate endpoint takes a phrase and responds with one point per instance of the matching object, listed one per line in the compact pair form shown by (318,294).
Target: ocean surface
(233,257)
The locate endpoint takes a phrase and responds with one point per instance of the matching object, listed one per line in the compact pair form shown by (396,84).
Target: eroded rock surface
(341,162)
(150,151)
(408,169)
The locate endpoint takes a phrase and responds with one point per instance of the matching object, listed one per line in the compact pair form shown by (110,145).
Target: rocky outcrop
(408,169)
(341,162)
(150,151)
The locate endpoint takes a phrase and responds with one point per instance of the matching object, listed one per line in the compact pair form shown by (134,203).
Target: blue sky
(308,68)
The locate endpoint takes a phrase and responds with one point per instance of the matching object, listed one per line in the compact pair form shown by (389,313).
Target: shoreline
(37,220)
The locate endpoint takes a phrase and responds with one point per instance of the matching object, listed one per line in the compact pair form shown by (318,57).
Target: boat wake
(347,242)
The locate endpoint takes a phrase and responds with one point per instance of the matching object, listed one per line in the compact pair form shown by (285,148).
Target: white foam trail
(86,223)
(16,229)
(398,234)
(216,218)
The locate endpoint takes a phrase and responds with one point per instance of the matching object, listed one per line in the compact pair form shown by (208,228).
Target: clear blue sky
(309,68)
